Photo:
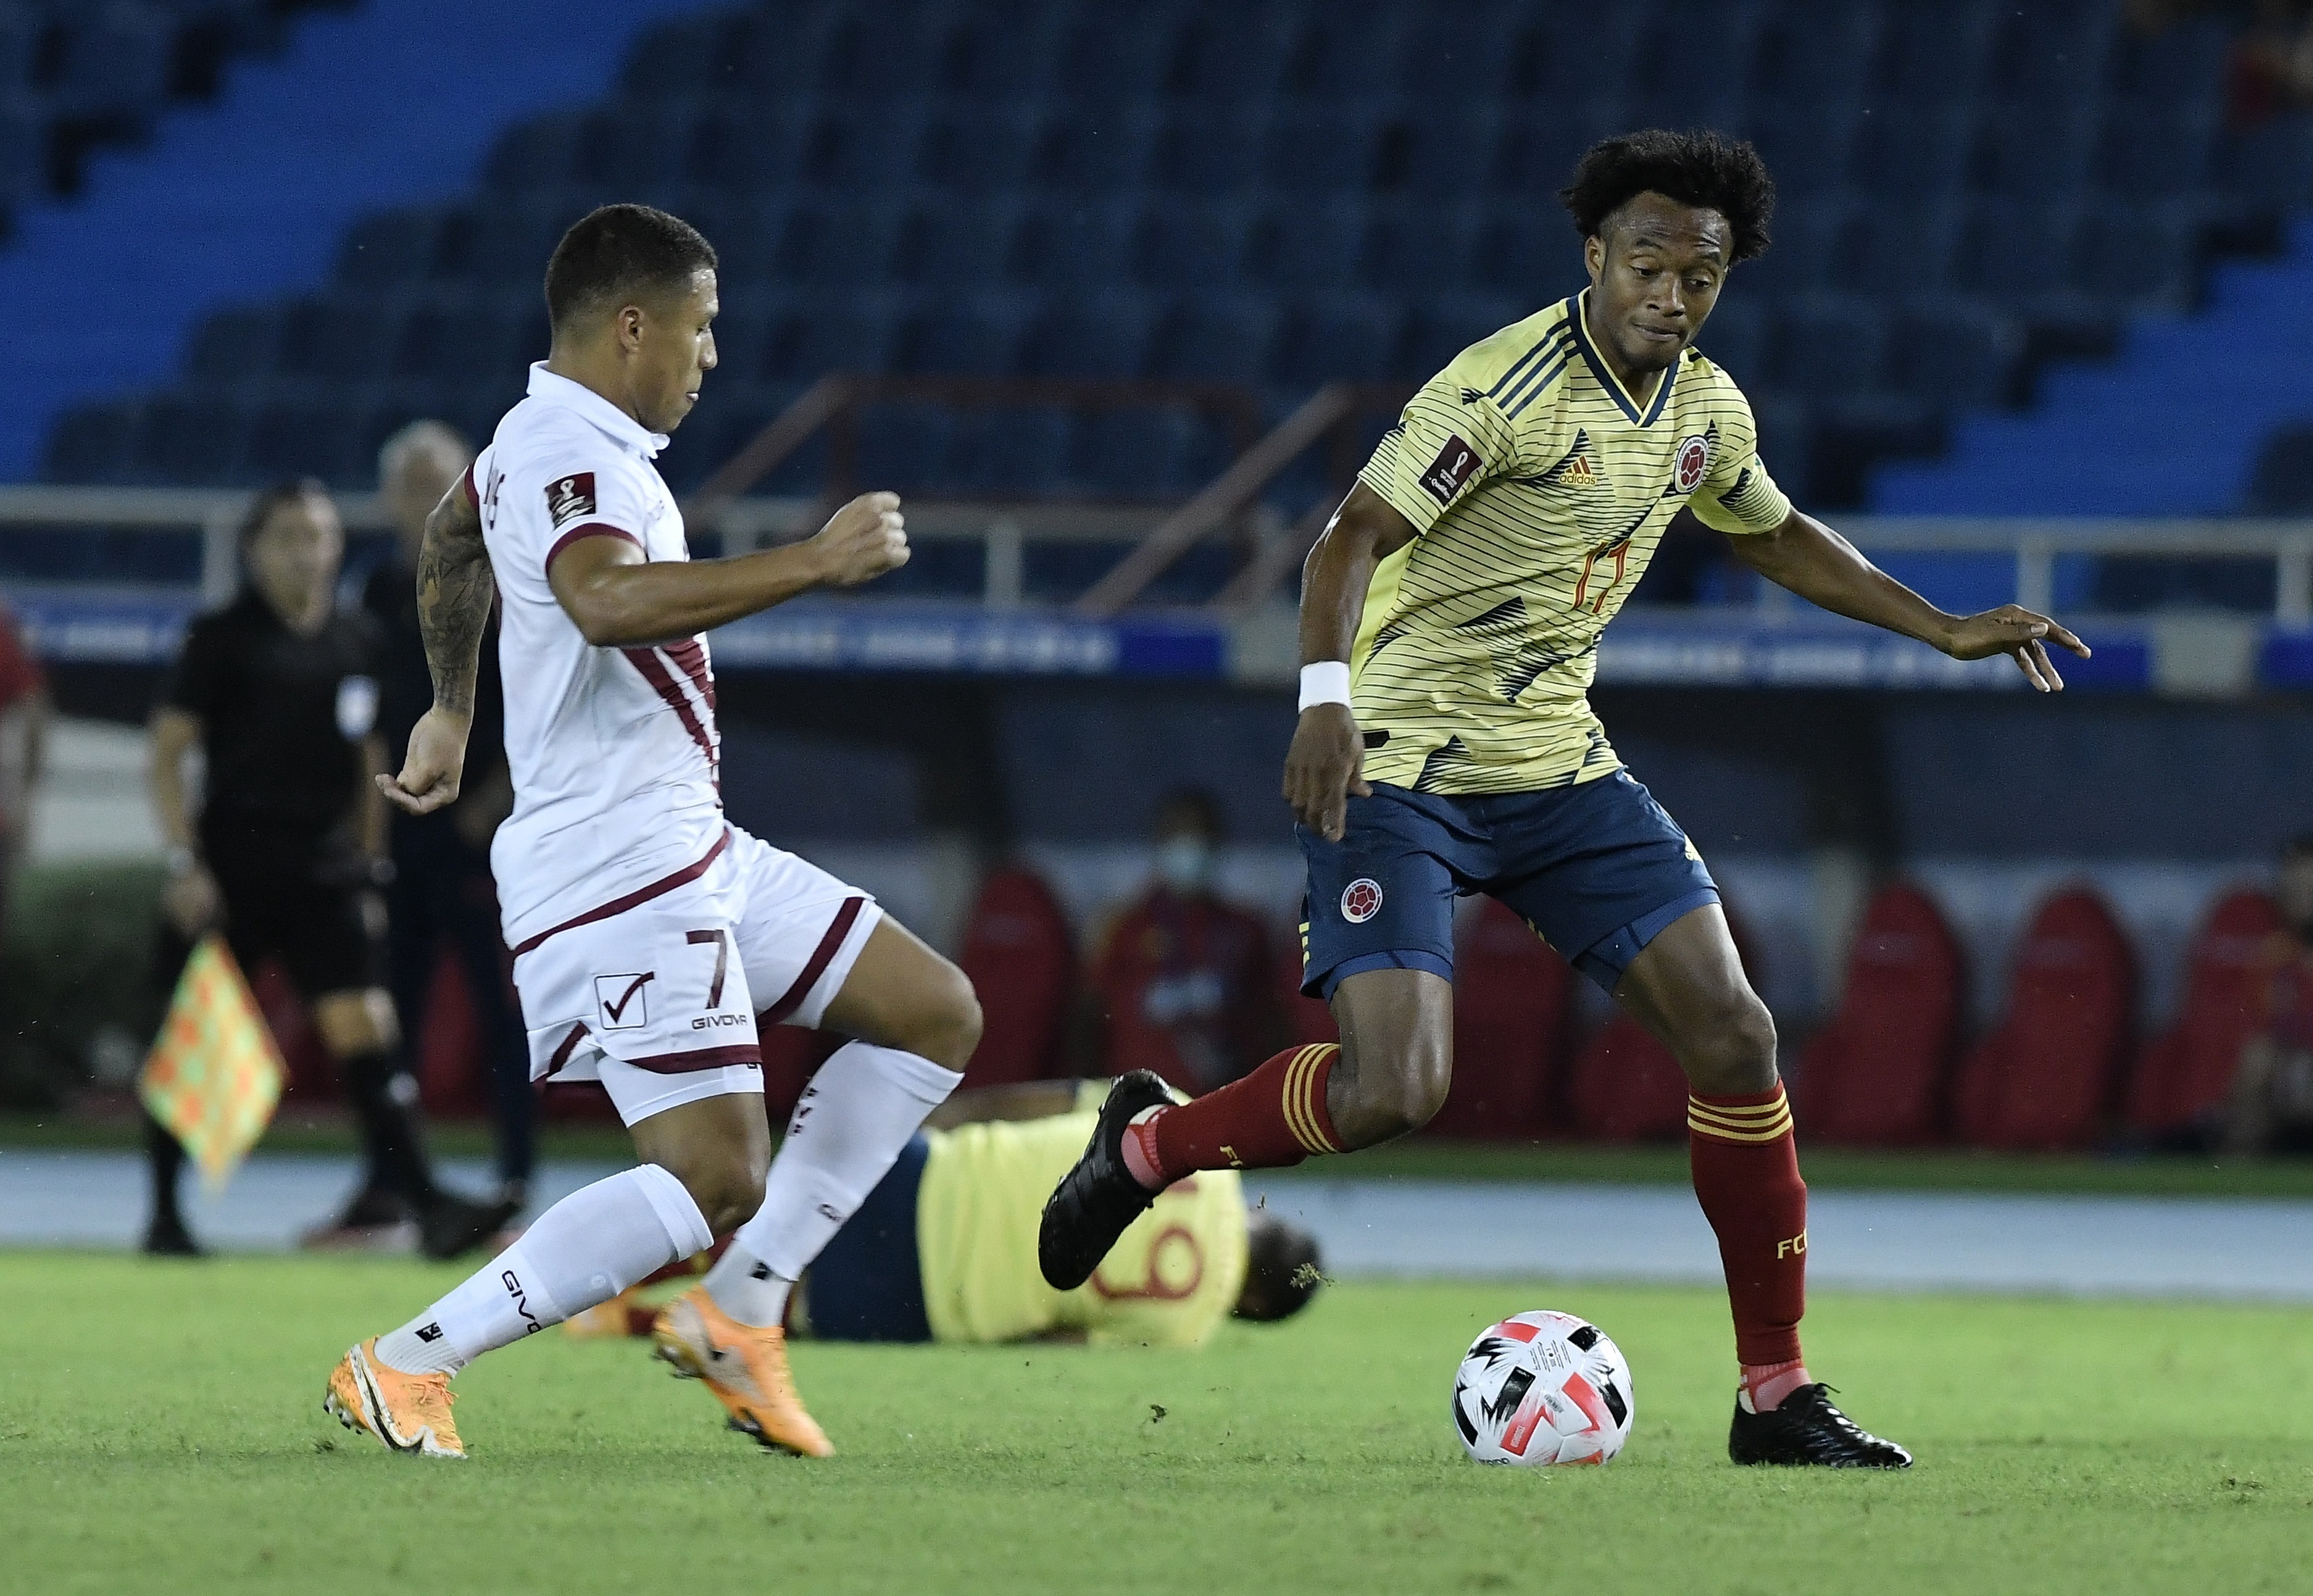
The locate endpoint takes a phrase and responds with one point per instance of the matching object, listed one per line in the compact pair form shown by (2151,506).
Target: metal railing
(1155,537)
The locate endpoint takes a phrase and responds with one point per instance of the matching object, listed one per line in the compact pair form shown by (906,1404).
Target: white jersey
(614,752)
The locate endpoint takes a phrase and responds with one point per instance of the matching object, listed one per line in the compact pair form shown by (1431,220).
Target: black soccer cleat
(451,1226)
(1098,1200)
(1807,1430)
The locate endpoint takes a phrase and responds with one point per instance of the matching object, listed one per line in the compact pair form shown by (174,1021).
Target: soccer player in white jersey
(651,937)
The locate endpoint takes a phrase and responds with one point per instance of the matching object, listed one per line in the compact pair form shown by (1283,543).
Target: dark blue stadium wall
(379,103)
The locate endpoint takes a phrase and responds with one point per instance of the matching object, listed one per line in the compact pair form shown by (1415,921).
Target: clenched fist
(862,540)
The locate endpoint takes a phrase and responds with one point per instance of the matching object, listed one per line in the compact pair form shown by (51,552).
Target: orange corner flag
(215,1075)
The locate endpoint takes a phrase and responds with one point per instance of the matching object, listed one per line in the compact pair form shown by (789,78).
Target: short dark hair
(620,252)
(288,490)
(1697,168)
(1281,1269)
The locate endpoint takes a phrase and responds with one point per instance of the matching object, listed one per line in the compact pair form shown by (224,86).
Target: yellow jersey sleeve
(1737,496)
(1451,439)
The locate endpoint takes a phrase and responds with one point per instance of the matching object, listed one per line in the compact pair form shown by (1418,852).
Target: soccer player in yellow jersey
(1450,618)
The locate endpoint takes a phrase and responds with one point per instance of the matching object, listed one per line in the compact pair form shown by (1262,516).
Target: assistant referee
(278,690)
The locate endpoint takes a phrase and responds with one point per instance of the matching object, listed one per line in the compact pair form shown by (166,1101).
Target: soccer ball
(1543,1387)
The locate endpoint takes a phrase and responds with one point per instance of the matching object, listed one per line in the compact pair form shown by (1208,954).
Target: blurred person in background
(441,885)
(278,691)
(1184,982)
(2271,1110)
(24,716)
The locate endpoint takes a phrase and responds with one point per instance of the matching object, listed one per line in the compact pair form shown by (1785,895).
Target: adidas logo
(1578,473)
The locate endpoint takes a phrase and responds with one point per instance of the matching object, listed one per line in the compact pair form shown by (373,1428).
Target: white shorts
(658,994)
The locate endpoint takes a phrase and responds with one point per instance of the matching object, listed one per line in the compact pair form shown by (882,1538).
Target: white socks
(854,1117)
(585,1250)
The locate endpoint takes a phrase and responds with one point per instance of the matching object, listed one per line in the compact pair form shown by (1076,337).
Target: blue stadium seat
(2031,151)
(1449,59)
(807,337)
(1735,338)
(1954,353)
(93,444)
(981,149)
(852,149)
(2271,164)
(20,49)
(686,56)
(2055,52)
(1106,149)
(233,344)
(840,244)
(1810,52)
(23,147)
(1216,337)
(1900,250)
(339,338)
(2143,256)
(1334,148)
(389,248)
(1355,58)
(749,148)
(1933,52)
(1145,454)
(1828,346)
(1536,148)
(1547,60)
(2146,151)
(2182,64)
(461,340)
(905,447)
(1799,259)
(1449,152)
(1411,249)
(538,153)
(113,60)
(946,244)
(1913,153)
(1003,54)
(1192,244)
(2010,250)
(2282,483)
(1205,152)
(1119,55)
(301,436)
(190,438)
(781,54)
(1064,244)
(1696,71)
(1807,144)
(1103,334)
(971,334)
(1226,60)
(1523,250)
(505,240)
(1308,244)
(1011,451)
(1331,337)
(1443,325)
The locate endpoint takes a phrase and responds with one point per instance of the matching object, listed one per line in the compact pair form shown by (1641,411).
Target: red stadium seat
(2186,1071)
(448,1052)
(1307,1019)
(1876,1074)
(1021,959)
(1626,1087)
(1510,1008)
(2044,1080)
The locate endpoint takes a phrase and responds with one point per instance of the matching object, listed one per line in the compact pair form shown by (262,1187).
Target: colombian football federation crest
(1361,901)
(570,497)
(1692,462)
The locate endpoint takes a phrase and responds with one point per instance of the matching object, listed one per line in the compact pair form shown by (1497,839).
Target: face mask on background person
(1185,863)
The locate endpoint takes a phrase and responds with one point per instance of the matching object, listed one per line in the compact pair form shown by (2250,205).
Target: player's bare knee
(1379,1103)
(1732,1049)
(727,1185)
(947,1027)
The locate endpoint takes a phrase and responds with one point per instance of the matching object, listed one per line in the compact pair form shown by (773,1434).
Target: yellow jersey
(1169,1280)
(1540,488)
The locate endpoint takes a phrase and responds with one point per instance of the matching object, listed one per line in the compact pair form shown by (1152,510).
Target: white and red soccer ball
(1543,1387)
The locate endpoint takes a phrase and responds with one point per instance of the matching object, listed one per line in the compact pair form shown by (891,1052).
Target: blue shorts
(1598,870)
(868,1283)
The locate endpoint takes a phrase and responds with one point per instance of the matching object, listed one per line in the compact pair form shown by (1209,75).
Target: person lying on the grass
(944,1249)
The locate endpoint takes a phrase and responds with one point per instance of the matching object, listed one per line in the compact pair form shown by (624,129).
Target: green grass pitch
(161,1430)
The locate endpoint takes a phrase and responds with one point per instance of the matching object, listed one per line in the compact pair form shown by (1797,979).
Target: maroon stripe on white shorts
(703,1058)
(619,906)
(816,965)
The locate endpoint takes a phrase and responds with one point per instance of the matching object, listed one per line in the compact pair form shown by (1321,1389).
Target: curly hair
(1698,169)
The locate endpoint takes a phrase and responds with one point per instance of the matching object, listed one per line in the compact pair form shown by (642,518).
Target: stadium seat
(1124,55)
(2142,256)
(840,244)
(1332,149)
(1904,250)
(1070,244)
(1807,144)
(1208,153)
(981,335)
(1535,147)
(863,150)
(93,444)
(1217,339)
(1511,250)
(1299,247)
(390,248)
(1955,352)
(1877,1073)
(1512,1001)
(1105,151)
(907,448)
(340,340)
(1191,244)
(1331,337)
(1103,334)
(1243,56)
(2029,150)
(2145,151)
(1734,339)
(2186,1072)
(1444,325)
(1449,155)
(1144,454)
(2283,482)
(1411,249)
(981,149)
(2045,1079)
(1828,346)
(1933,52)
(1012,453)
(1816,52)
(808,336)
(1470,59)
(1914,158)
(1021,957)
(231,344)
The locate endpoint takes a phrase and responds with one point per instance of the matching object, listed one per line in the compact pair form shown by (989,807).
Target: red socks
(1273,1118)
(1746,1177)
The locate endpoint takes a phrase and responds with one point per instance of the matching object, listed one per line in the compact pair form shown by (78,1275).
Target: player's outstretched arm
(454,590)
(619,599)
(1326,762)
(1825,569)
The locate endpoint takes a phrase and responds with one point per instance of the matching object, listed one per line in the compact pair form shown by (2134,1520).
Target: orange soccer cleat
(409,1412)
(745,1367)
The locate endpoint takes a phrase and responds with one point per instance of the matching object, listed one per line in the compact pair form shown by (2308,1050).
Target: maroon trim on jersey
(654,672)
(816,965)
(619,906)
(593,529)
(704,1059)
(690,654)
(562,1054)
(466,487)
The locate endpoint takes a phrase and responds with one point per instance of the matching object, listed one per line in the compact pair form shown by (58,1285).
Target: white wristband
(1326,682)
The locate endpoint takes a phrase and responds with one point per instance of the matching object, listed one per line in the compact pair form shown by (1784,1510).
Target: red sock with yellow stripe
(1272,1118)
(1746,1177)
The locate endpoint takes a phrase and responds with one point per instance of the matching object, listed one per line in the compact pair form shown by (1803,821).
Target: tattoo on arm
(454,590)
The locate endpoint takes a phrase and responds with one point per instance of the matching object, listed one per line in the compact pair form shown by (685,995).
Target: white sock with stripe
(585,1250)
(848,1128)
